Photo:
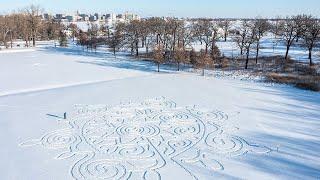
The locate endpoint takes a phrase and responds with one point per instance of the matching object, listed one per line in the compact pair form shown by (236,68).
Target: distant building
(109,20)
(97,16)
(127,17)
(59,16)
(92,18)
(46,16)
(70,18)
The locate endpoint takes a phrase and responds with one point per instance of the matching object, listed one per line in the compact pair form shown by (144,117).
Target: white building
(111,19)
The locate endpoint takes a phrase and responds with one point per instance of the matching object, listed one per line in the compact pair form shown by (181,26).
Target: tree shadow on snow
(291,124)
(105,58)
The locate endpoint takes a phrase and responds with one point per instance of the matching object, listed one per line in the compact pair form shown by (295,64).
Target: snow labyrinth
(141,140)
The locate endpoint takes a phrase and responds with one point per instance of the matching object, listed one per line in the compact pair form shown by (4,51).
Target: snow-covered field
(126,121)
(269,46)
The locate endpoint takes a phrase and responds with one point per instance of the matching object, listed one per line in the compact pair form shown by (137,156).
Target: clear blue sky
(181,8)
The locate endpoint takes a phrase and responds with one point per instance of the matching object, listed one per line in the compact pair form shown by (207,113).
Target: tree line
(28,25)
(169,40)
(176,40)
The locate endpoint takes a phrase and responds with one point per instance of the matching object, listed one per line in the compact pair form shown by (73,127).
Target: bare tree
(63,40)
(225,25)
(261,26)
(275,28)
(311,35)
(133,34)
(145,33)
(215,53)
(115,41)
(4,30)
(300,21)
(23,27)
(289,32)
(241,35)
(248,38)
(185,36)
(34,20)
(204,61)
(13,25)
(149,36)
(83,39)
(193,57)
(180,56)
(93,33)
(157,27)
(174,26)
(52,29)
(8,29)
(74,30)
(158,55)
(205,31)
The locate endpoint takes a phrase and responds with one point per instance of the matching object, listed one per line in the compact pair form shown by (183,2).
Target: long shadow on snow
(104,58)
(295,116)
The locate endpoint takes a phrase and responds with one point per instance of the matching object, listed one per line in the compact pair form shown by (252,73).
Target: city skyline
(179,8)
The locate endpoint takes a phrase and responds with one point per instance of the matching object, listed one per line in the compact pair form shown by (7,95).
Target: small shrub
(313,86)
(308,82)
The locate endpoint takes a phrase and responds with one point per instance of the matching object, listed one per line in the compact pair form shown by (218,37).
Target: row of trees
(28,25)
(167,39)
(170,36)
(163,40)
(301,29)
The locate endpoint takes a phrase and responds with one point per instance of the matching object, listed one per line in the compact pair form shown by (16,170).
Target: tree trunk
(158,39)
(178,66)
(132,50)
(225,37)
(287,52)
(247,58)
(202,71)
(147,49)
(212,46)
(11,40)
(206,51)
(310,57)
(174,43)
(137,48)
(257,53)
(34,40)
(158,67)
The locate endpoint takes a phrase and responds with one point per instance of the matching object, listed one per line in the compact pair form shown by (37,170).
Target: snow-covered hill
(124,120)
